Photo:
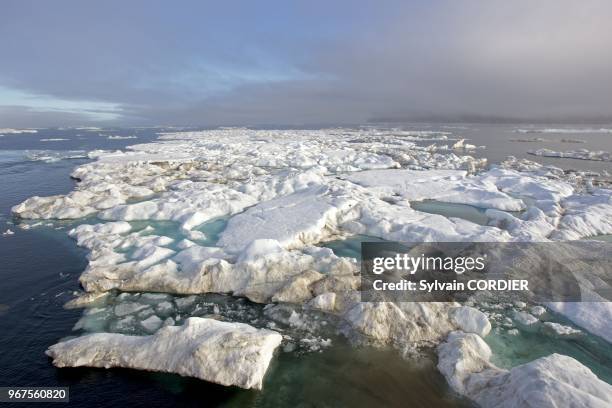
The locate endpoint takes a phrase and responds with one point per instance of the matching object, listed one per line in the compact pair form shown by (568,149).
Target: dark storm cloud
(303,62)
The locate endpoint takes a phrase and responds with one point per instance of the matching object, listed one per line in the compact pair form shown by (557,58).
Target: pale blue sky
(301,62)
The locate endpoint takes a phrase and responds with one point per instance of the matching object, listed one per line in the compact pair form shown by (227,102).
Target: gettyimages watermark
(577,271)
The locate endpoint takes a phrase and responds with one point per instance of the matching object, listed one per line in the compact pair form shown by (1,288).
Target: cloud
(26,117)
(88,110)
(309,62)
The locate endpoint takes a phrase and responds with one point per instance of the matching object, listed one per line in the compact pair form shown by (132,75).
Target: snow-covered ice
(220,352)
(451,186)
(560,330)
(582,154)
(283,194)
(552,381)
(11,131)
(471,320)
(119,137)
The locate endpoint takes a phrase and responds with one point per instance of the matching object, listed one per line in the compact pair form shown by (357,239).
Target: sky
(205,63)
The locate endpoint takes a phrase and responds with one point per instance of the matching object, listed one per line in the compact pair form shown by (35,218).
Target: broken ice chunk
(220,352)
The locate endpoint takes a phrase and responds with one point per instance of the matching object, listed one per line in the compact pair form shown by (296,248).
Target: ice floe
(564,130)
(11,131)
(552,381)
(220,352)
(402,324)
(118,137)
(582,154)
(560,330)
(50,156)
(471,320)
(283,194)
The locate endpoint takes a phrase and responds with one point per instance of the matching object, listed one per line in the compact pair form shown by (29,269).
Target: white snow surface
(452,186)
(220,352)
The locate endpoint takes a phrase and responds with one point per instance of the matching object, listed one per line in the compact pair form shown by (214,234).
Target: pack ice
(283,193)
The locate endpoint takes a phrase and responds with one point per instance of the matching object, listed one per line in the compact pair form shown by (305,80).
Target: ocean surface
(39,269)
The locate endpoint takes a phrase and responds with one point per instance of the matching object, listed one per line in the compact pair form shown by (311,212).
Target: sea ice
(560,330)
(525,319)
(10,131)
(582,154)
(401,324)
(452,186)
(551,381)
(295,220)
(325,302)
(220,352)
(592,316)
(565,130)
(118,137)
(284,192)
(471,320)
(151,324)
(537,311)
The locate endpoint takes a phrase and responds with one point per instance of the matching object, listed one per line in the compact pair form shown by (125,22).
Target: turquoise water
(40,269)
(605,238)
(510,350)
(212,229)
(463,211)
(367,376)
(349,247)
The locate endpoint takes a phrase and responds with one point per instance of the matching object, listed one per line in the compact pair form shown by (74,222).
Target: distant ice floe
(582,154)
(54,139)
(8,232)
(462,145)
(50,156)
(283,194)
(531,140)
(118,137)
(565,130)
(10,131)
(542,140)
